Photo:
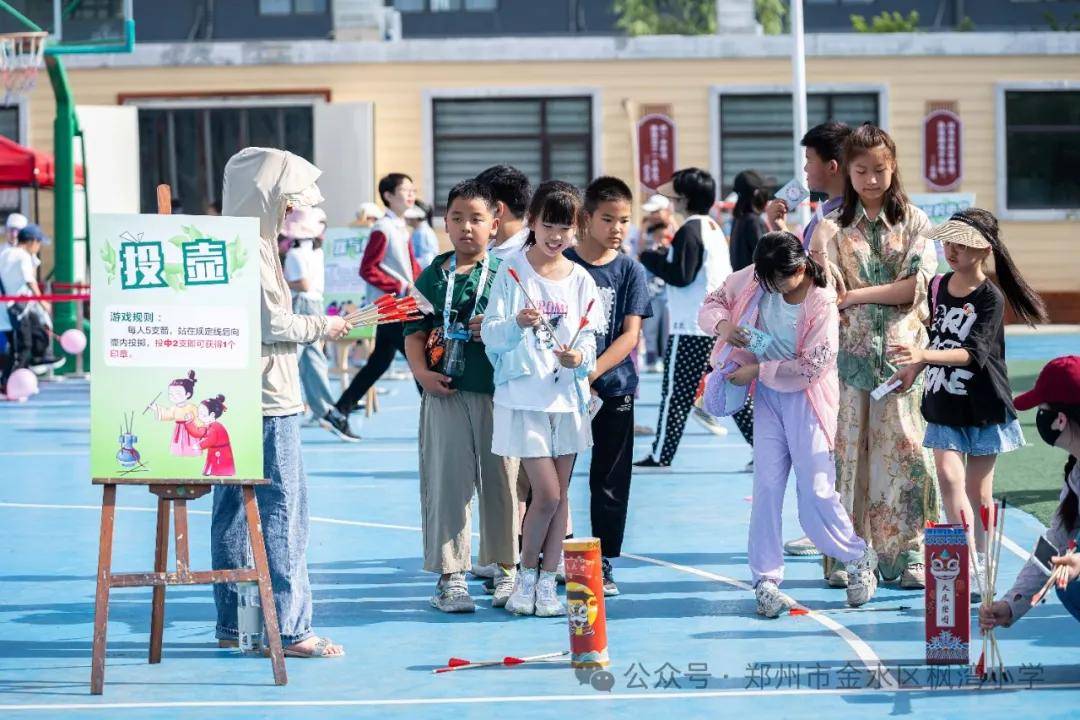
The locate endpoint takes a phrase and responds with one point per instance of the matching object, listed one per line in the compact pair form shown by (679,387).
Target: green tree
(771,13)
(887,22)
(666,17)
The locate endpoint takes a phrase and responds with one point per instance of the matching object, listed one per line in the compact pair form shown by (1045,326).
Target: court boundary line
(597,697)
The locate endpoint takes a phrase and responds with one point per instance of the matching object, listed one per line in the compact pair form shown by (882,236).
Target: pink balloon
(73,341)
(21,385)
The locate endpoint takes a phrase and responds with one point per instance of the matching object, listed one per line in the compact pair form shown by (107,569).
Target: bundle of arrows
(993,523)
(386,309)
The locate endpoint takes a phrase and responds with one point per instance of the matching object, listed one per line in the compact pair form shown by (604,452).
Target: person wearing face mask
(1057,395)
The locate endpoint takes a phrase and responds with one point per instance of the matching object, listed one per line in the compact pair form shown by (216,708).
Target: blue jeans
(1070,598)
(283,508)
(313,366)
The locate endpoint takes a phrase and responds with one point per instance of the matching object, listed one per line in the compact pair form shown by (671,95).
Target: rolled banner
(585,603)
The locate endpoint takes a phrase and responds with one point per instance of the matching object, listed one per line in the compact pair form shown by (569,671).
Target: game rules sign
(175,347)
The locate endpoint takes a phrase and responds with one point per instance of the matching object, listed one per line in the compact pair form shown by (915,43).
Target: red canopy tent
(22,167)
(25,167)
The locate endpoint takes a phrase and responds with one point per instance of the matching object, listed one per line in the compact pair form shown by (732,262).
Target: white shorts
(536,434)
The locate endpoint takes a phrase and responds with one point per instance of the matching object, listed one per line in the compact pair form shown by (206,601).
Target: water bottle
(454,358)
(249,618)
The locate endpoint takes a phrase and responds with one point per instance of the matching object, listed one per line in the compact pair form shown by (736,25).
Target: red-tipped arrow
(456,663)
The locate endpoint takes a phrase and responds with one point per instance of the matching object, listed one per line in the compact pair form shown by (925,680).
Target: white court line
(593,697)
(862,650)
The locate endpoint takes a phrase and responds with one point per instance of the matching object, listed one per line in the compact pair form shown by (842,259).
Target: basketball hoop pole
(64,129)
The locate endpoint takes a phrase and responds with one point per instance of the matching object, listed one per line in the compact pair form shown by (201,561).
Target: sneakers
(800,548)
(770,602)
(547,596)
(522,600)
(485,571)
(649,465)
(338,423)
(708,422)
(838,578)
(914,577)
(610,588)
(504,585)
(452,595)
(862,578)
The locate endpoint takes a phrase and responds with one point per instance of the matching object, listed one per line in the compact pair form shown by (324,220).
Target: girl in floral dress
(881,261)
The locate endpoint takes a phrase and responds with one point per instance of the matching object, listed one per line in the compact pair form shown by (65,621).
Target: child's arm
(500,330)
(620,349)
(433,382)
(195,430)
(900,292)
(815,357)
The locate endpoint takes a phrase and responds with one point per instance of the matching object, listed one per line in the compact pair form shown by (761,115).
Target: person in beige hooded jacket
(263,183)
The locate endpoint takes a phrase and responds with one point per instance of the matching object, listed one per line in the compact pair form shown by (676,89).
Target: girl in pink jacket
(796,394)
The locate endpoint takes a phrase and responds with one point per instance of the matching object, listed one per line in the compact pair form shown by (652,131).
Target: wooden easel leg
(161,560)
(183,561)
(266,592)
(101,599)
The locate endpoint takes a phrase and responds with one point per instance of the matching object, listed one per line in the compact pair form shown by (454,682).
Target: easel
(177,493)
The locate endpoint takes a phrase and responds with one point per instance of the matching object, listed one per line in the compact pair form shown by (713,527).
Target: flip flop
(319,651)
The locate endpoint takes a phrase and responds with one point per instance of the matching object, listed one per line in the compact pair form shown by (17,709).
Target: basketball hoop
(21,56)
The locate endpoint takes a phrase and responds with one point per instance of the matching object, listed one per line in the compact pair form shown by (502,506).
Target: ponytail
(1024,300)
(1069,510)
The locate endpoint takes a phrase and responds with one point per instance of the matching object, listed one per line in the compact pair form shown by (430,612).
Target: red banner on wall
(656,149)
(942,154)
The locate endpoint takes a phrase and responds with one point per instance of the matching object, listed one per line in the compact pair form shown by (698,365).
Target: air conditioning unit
(736,16)
(365,20)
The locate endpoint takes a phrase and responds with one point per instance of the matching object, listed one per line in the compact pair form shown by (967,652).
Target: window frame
(717,92)
(430,96)
(292,11)
(427,10)
(1001,169)
(246,100)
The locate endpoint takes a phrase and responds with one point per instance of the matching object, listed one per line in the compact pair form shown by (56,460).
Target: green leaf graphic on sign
(108,257)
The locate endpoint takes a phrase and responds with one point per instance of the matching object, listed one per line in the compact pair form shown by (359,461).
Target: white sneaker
(862,578)
(708,422)
(770,602)
(452,595)
(485,571)
(802,547)
(504,585)
(522,600)
(547,596)
(560,570)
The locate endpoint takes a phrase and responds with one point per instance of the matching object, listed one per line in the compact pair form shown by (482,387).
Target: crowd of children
(529,360)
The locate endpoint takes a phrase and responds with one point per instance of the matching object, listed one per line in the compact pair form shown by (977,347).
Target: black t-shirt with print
(977,394)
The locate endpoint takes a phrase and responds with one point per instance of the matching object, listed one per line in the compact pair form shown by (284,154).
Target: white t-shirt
(550,387)
(305,261)
(512,246)
(17,268)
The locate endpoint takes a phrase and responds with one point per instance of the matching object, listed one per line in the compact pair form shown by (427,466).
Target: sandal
(319,651)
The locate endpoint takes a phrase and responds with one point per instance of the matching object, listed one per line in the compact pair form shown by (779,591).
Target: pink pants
(787,435)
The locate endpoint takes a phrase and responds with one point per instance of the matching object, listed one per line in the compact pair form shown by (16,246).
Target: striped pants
(686,359)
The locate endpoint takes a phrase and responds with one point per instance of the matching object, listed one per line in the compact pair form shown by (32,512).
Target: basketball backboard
(73,25)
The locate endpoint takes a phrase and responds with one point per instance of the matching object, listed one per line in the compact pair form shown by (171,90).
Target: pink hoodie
(817,338)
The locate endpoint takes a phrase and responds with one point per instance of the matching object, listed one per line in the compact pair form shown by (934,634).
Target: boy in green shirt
(456,410)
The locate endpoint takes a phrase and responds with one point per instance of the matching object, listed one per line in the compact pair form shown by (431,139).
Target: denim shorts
(987,440)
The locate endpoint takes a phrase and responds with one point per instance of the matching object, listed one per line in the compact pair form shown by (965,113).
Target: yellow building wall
(1044,250)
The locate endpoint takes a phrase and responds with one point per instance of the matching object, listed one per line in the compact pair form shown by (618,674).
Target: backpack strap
(935,283)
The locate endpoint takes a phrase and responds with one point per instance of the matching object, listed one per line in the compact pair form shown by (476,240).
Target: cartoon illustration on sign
(183,411)
(581,607)
(214,438)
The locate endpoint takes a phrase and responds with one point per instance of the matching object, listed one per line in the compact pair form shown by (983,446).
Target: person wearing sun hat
(1057,396)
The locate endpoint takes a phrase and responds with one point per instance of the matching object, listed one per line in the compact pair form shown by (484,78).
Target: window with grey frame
(10,198)
(187,148)
(756,129)
(1042,149)
(292,7)
(436,6)
(544,137)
